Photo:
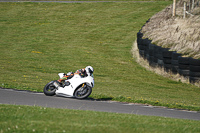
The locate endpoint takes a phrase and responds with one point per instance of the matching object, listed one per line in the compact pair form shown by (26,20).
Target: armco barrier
(171,61)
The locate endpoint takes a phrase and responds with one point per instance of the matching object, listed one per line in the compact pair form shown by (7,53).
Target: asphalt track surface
(16,97)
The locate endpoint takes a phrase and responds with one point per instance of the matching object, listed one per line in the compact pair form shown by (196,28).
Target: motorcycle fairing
(75,82)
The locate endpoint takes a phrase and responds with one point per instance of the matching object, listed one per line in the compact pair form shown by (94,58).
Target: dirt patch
(177,33)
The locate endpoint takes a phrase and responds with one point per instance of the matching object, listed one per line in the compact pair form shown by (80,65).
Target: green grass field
(39,40)
(24,119)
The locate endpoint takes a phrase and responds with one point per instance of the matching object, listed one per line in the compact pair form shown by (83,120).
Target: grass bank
(39,40)
(40,119)
(177,33)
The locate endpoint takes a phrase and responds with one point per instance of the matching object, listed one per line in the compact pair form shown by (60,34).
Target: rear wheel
(49,89)
(83,92)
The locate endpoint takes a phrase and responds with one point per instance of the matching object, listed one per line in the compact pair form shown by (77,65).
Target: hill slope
(181,35)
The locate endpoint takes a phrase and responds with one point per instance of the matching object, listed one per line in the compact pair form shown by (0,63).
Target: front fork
(83,85)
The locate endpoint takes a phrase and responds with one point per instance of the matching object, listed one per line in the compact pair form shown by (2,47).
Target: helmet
(89,69)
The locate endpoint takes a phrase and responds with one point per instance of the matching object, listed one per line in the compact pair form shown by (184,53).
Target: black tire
(184,72)
(141,47)
(167,67)
(141,52)
(82,93)
(156,48)
(160,62)
(151,52)
(194,74)
(139,35)
(175,69)
(155,60)
(194,79)
(139,41)
(146,47)
(194,68)
(183,60)
(164,49)
(147,57)
(151,58)
(174,62)
(159,56)
(167,54)
(167,60)
(175,55)
(146,41)
(151,46)
(146,52)
(160,50)
(174,66)
(153,64)
(49,89)
(194,62)
(184,67)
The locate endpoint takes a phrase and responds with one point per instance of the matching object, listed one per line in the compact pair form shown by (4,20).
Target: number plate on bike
(56,84)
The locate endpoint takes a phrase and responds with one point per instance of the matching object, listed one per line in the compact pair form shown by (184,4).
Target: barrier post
(184,10)
(174,8)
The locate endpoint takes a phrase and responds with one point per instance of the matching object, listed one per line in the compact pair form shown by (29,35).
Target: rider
(82,72)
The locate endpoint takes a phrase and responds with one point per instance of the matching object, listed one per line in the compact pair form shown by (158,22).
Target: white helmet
(89,69)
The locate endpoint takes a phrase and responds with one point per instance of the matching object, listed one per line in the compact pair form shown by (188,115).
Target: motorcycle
(77,86)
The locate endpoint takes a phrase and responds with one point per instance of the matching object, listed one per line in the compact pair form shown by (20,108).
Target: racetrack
(16,97)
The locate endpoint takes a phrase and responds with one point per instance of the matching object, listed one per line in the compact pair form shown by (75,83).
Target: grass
(40,119)
(39,40)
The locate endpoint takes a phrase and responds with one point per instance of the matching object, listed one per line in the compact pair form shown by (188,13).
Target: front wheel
(49,89)
(83,92)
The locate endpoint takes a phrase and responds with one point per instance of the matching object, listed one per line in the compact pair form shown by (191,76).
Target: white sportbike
(77,86)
